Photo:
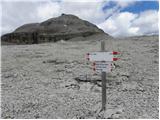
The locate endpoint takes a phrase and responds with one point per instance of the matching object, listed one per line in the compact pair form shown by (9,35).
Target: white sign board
(102,66)
(100,56)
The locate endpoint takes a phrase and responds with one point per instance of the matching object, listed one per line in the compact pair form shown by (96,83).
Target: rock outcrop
(64,27)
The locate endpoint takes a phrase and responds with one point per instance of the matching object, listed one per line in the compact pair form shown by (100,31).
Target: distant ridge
(64,27)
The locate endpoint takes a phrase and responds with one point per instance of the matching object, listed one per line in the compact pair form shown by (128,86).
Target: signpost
(102,63)
(103,81)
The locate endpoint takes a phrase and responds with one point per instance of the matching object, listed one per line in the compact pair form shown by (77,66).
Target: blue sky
(137,7)
(118,17)
(142,6)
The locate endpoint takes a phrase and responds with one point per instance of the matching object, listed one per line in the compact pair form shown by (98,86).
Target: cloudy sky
(118,17)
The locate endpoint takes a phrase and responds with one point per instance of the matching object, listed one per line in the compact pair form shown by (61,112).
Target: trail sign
(102,67)
(102,56)
(102,63)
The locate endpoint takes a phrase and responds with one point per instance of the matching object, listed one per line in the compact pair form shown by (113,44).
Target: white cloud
(96,1)
(15,14)
(147,22)
(130,24)
(91,11)
(48,10)
(124,3)
(86,9)
(118,24)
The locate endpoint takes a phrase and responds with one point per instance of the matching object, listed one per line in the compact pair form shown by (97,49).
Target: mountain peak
(66,26)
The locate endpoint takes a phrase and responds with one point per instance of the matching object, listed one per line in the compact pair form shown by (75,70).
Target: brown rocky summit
(64,27)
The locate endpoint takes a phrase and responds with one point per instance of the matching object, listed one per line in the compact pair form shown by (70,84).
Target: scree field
(54,80)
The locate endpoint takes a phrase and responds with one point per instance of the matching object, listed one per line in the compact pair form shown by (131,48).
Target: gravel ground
(44,80)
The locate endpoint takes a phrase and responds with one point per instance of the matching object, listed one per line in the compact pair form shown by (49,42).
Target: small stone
(145,116)
(37,116)
(85,87)
(126,74)
(115,116)
(113,113)
(108,113)
(141,89)
(96,89)
(129,86)
(118,82)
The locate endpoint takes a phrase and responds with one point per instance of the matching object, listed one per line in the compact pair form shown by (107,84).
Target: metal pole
(103,81)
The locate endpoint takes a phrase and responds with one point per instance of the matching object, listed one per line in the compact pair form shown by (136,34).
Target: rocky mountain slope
(53,80)
(64,27)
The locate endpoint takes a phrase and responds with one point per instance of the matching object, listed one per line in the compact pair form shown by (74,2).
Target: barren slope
(40,81)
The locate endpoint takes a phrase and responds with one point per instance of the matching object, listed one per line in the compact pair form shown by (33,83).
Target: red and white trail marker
(102,56)
(102,60)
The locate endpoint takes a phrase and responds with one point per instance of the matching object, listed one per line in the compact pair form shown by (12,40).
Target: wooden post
(103,81)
